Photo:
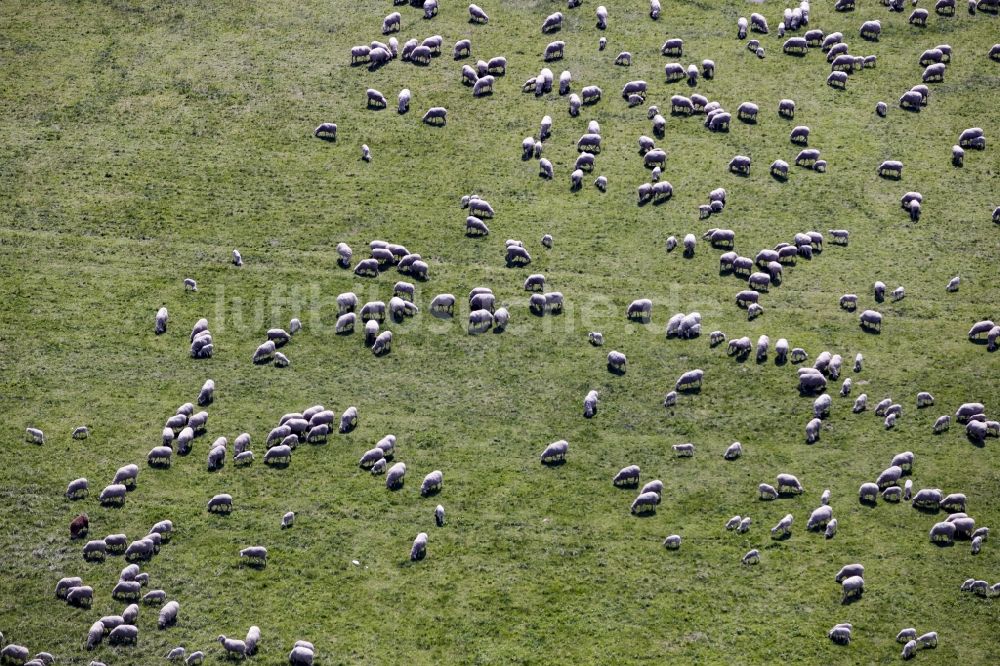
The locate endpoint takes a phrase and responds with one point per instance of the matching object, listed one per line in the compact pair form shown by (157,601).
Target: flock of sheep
(315,424)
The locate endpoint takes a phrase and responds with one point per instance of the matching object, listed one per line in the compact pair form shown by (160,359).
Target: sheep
(672,542)
(928,640)
(168,615)
(811,382)
(221,503)
(395,476)
(813,430)
(497,66)
(645,503)
(602,17)
(909,650)
(733,522)
(740,165)
(124,634)
(113,494)
(683,450)
(234,648)
(928,498)
(436,115)
(716,337)
(752,557)
(616,361)
(943,532)
(785,481)
(783,528)
(767,492)
(840,634)
(431,483)
(689,380)
(953,503)
(734,451)
(853,587)
(300,655)
(627,477)
(739,347)
(555,452)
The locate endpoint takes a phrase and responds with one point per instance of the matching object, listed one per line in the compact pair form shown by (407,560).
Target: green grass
(143,141)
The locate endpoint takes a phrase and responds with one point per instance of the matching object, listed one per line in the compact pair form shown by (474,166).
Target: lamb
(595,338)
(555,452)
(683,450)
(752,557)
(767,492)
(739,347)
(734,451)
(783,528)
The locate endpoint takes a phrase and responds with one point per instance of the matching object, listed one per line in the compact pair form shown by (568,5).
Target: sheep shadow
(785,536)
(375,66)
(978,443)
(645,514)
(927,510)
(780,361)
(257,362)
(780,177)
(616,370)
(740,173)
(276,465)
(442,314)
(660,202)
(692,390)
(688,254)
(345,332)
(871,331)
(554,463)
(847,601)
(944,544)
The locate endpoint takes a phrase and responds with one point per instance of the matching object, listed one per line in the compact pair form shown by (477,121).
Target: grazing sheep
(221,503)
(439,515)
(555,452)
(395,476)
(840,634)
(779,169)
(783,528)
(168,615)
(909,650)
(734,451)
(627,477)
(690,380)
(616,361)
(767,492)
(595,338)
(645,503)
(733,522)
(740,165)
(871,320)
(477,15)
(672,542)
(432,483)
(752,557)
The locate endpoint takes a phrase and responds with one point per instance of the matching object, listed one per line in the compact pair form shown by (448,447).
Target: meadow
(143,140)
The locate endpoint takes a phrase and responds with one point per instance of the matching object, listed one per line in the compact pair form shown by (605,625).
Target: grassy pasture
(144,140)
